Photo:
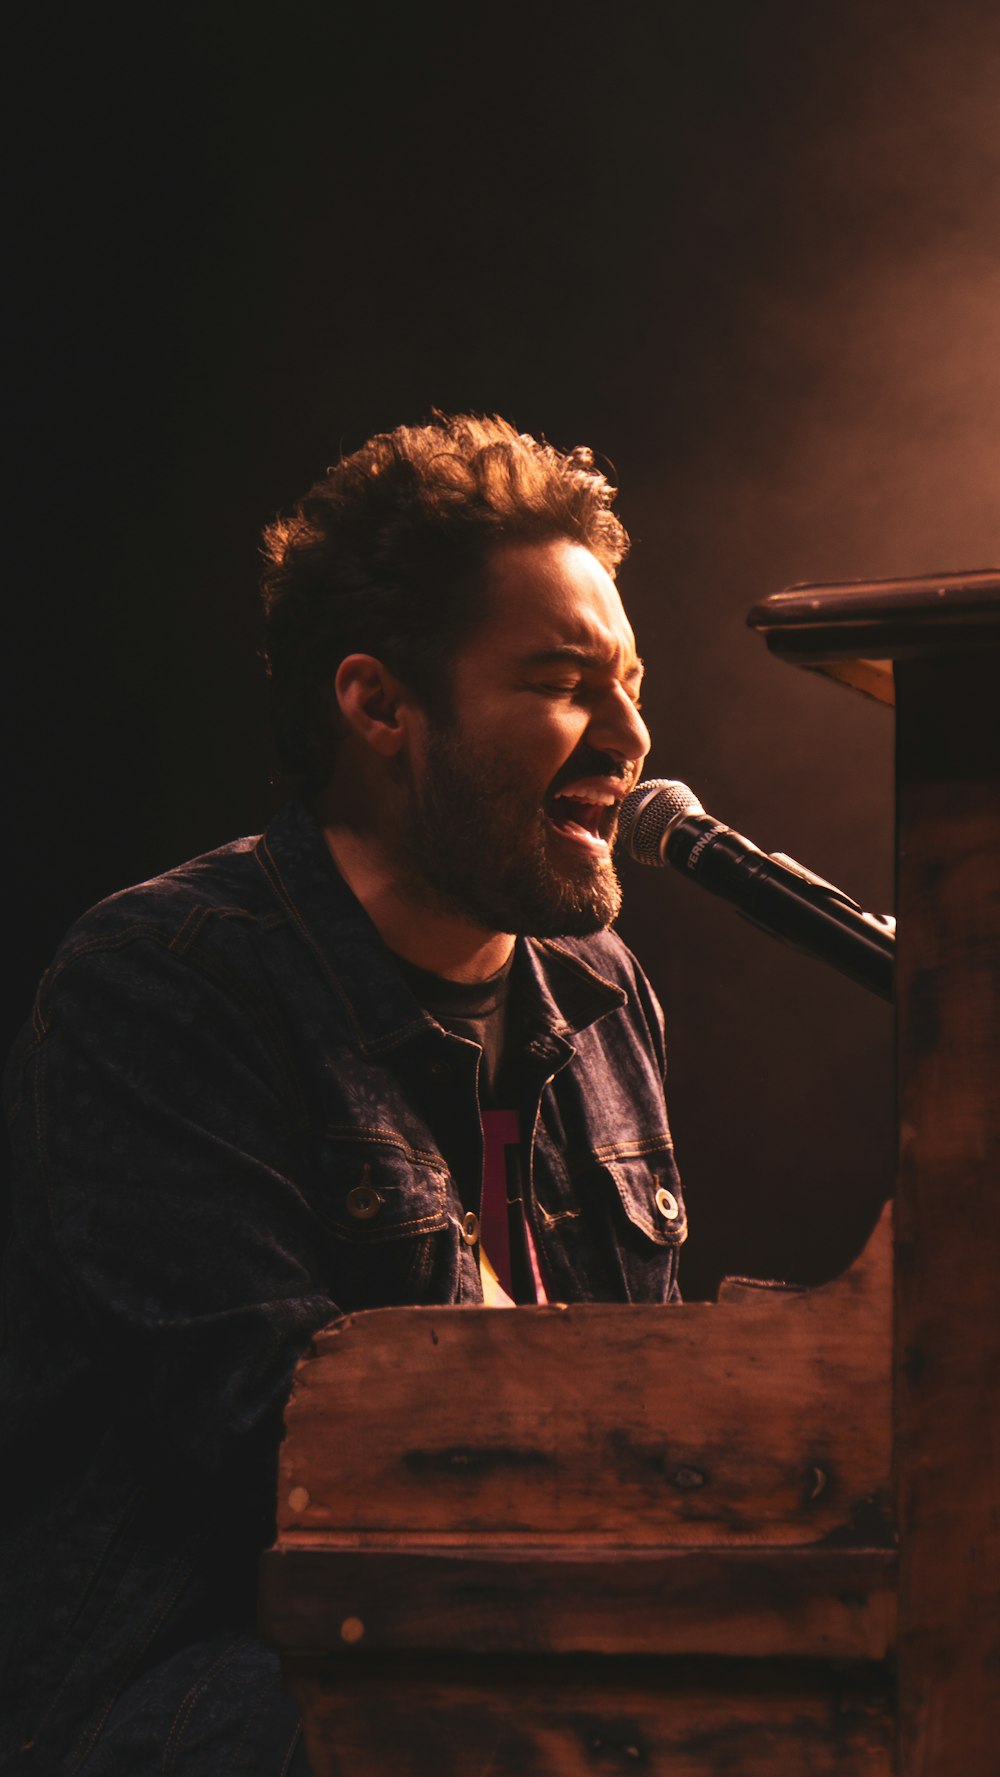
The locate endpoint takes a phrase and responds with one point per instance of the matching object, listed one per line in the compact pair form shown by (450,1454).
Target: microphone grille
(648,811)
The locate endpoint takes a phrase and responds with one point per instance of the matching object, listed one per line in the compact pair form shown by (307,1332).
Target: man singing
(389,1052)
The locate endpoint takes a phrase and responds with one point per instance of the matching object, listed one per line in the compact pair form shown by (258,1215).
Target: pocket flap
(650,1190)
(376,1187)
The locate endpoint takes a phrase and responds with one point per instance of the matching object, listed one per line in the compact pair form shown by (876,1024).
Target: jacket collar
(565,993)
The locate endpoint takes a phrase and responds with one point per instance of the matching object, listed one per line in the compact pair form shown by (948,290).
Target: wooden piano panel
(763,1418)
(517,1718)
(496,1555)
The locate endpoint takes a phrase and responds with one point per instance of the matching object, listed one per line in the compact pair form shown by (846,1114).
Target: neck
(407,915)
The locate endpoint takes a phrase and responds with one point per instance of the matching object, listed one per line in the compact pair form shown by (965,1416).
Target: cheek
(534,739)
(557,729)
(546,748)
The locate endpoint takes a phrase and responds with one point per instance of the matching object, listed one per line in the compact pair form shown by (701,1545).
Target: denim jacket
(217,1061)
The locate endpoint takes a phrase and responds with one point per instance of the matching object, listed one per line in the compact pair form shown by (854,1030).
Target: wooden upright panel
(764,1418)
(596,1718)
(948,1215)
(504,1534)
(942,633)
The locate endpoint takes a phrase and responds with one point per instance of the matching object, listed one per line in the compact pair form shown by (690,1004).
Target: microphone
(662,822)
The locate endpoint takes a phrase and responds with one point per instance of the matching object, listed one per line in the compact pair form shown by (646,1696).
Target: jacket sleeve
(163,1146)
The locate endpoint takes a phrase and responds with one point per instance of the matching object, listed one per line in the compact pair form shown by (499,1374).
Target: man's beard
(480,845)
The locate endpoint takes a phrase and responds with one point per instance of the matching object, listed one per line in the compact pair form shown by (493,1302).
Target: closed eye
(578,688)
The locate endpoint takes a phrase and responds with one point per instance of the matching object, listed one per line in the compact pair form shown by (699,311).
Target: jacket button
(439,1070)
(667,1204)
(363,1202)
(470,1228)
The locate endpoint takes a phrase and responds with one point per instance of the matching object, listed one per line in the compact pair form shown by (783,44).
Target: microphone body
(662,822)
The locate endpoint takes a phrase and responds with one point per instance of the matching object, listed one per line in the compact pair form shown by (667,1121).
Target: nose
(617,728)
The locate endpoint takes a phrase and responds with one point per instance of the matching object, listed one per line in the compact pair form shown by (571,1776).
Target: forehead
(545,597)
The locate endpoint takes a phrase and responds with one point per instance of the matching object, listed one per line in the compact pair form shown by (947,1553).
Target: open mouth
(586,814)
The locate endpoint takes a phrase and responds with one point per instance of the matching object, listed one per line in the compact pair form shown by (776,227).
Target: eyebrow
(570,655)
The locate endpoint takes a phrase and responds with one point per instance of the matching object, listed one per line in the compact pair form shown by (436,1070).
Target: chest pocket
(385,1204)
(634,1193)
(649,1189)
(375,1187)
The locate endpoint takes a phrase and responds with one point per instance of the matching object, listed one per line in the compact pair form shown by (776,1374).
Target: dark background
(749,251)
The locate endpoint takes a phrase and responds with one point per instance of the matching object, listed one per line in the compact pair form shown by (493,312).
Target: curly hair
(385,555)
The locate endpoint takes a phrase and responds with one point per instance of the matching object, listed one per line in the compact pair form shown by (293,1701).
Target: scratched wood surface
(948,1199)
(837,1604)
(548,1718)
(764,1418)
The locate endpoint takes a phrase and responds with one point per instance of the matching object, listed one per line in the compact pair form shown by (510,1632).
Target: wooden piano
(759,1536)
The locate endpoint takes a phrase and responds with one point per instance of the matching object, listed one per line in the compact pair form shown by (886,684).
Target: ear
(373,702)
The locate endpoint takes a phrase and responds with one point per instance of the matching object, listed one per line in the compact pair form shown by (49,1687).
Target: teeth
(602,798)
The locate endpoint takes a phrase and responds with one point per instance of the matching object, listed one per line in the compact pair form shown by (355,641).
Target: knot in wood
(687,1479)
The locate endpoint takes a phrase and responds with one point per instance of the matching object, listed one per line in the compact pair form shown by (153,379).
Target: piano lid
(853,630)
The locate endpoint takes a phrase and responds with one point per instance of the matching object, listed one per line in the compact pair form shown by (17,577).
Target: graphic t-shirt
(485,1012)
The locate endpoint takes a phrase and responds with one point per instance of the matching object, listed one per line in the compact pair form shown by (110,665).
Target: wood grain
(948,1198)
(805,1603)
(549,1718)
(706,1424)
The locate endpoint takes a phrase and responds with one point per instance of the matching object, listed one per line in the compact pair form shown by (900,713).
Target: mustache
(589,762)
